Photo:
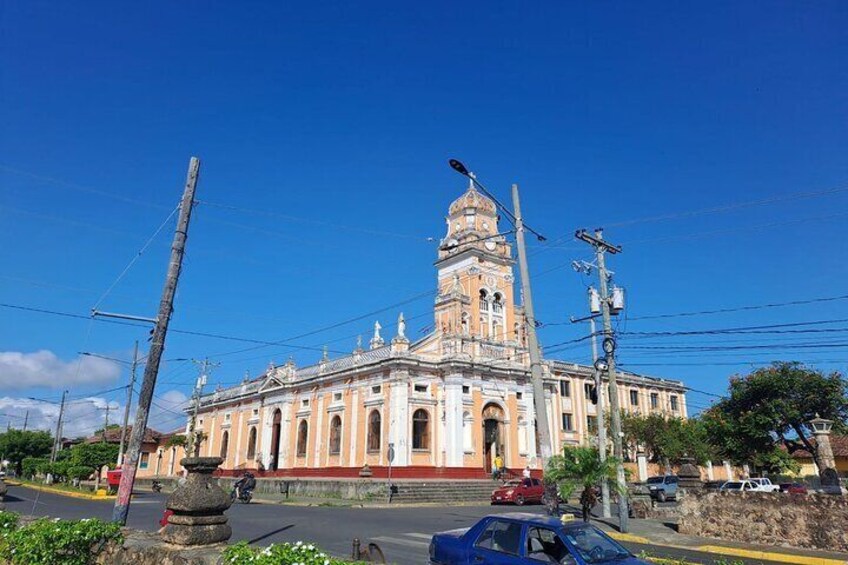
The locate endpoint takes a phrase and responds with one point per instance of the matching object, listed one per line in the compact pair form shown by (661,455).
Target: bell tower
(475,273)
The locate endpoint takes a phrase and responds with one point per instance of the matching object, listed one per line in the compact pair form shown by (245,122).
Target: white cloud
(85,415)
(45,369)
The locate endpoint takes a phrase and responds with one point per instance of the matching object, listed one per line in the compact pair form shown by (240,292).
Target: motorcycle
(156,486)
(243,495)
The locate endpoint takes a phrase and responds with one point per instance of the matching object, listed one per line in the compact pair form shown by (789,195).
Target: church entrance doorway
(493,435)
(275,440)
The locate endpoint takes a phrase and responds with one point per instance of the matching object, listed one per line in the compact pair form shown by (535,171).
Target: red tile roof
(838,443)
(113,435)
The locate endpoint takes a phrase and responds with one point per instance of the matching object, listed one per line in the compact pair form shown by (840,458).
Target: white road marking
(400,541)
(422,536)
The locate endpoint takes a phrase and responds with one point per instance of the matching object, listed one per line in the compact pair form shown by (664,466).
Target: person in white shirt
(526,472)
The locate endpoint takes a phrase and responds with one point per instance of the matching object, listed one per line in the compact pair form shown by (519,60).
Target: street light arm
(461,169)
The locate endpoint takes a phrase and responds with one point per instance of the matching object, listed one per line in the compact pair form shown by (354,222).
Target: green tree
(765,417)
(93,455)
(17,445)
(581,467)
(667,440)
(31,466)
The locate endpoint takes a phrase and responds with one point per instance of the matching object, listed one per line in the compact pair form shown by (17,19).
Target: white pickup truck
(763,484)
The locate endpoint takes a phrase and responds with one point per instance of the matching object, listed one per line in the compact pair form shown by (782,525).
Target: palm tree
(581,467)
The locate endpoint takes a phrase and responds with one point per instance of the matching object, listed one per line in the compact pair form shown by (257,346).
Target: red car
(793,488)
(519,491)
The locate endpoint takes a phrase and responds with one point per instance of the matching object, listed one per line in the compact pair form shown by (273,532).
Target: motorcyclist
(246,484)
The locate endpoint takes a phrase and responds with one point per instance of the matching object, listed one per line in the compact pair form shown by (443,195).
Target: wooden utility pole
(157,344)
(127,407)
(57,441)
(26,419)
(543,434)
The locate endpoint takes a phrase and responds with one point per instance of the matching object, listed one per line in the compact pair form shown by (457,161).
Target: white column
(453,439)
(319,422)
(552,423)
(530,410)
(240,425)
(211,437)
(264,443)
(285,433)
(642,463)
(399,423)
(710,471)
(353,433)
(728,470)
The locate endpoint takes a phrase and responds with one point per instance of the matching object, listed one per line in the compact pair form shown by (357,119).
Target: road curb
(779,557)
(67,493)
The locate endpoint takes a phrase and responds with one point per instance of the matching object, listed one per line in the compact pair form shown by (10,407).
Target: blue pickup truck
(528,539)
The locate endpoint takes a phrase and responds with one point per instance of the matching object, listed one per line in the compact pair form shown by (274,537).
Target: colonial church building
(445,405)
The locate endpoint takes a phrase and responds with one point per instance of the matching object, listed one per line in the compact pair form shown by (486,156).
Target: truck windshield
(655,480)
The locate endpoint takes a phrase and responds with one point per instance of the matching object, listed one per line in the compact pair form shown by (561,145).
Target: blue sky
(324,133)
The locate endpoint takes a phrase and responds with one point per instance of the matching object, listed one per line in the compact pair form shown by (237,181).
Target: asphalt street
(403,533)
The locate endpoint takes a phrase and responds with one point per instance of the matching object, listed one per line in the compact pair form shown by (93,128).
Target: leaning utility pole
(157,344)
(601,247)
(57,441)
(543,434)
(129,403)
(26,419)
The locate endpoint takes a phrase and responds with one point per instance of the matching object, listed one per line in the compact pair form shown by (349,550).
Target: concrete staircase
(444,491)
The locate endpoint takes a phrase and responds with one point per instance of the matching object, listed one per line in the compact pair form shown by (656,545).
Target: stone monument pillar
(688,477)
(642,466)
(198,506)
(827,473)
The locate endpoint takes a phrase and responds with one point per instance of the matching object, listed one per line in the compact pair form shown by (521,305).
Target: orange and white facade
(446,404)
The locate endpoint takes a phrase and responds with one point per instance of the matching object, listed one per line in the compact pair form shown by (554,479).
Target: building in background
(447,403)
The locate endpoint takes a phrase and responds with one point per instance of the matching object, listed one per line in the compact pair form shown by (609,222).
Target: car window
(501,536)
(732,486)
(655,480)
(593,546)
(536,482)
(545,545)
(526,482)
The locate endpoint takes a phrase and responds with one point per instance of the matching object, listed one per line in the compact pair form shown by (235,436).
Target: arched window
(484,300)
(335,435)
(374,430)
(251,444)
(225,444)
(467,432)
(497,304)
(420,429)
(302,433)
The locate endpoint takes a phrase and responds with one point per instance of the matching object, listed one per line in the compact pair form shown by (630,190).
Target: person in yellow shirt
(497,467)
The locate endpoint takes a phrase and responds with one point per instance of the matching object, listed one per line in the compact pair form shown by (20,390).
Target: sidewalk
(656,532)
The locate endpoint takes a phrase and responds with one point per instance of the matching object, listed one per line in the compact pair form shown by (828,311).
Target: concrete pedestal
(198,506)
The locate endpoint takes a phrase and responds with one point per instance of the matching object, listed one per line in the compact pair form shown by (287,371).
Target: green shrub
(80,472)
(31,466)
(58,542)
(278,554)
(8,522)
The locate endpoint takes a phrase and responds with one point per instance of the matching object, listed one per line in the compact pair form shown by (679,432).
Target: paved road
(403,533)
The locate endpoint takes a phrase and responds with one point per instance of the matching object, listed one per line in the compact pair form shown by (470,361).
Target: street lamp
(821,425)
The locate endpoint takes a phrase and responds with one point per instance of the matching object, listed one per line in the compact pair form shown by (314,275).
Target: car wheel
(519,500)
(661,496)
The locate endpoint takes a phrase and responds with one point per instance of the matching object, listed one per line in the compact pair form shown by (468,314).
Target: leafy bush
(278,554)
(31,466)
(8,522)
(80,472)
(57,542)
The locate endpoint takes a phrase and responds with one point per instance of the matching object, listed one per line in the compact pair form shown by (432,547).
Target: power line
(136,257)
(739,308)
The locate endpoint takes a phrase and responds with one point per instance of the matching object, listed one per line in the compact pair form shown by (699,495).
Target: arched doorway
(493,435)
(275,440)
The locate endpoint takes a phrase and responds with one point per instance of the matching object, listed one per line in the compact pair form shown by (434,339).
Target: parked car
(764,485)
(793,488)
(713,485)
(739,486)
(519,491)
(663,488)
(528,539)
